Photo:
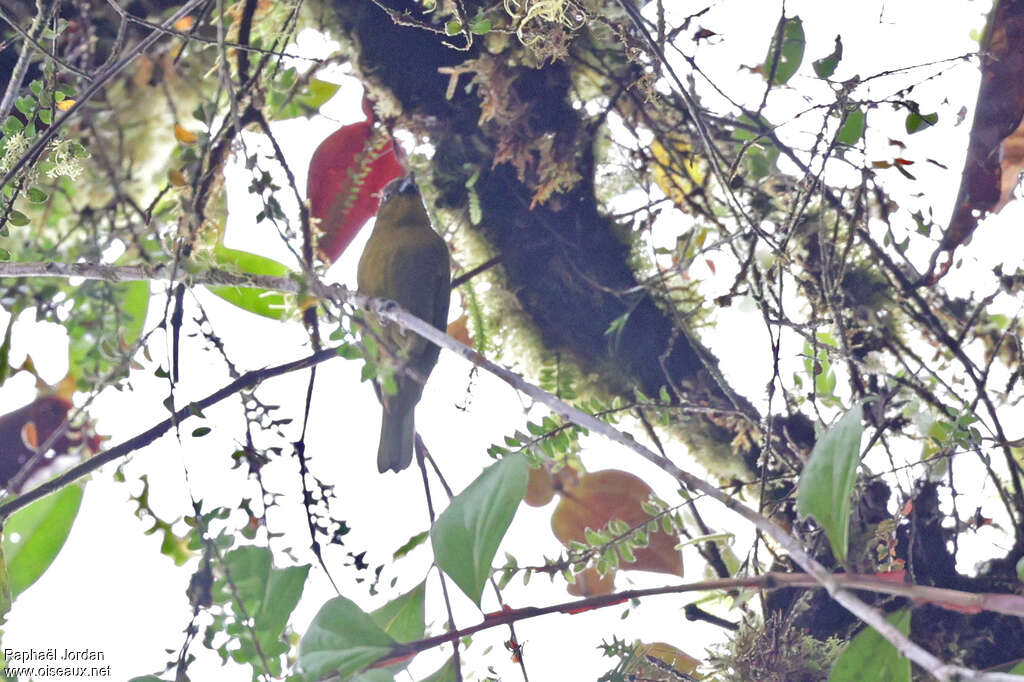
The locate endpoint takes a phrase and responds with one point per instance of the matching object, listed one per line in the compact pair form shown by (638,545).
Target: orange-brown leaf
(183,135)
(540,487)
(459,329)
(611,494)
(590,583)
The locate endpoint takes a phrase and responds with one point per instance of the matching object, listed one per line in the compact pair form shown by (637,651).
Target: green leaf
(37,196)
(453,28)
(33,536)
(18,218)
(12,125)
(916,121)
(133,305)
(402,617)
(826,66)
(411,544)
(481,27)
(1020,569)
(201,431)
(25,105)
(341,639)
(318,93)
(1017,669)
(269,594)
(5,593)
(5,350)
(466,536)
(260,301)
(871,657)
(375,675)
(790,55)
(761,155)
(286,104)
(828,478)
(853,127)
(446,673)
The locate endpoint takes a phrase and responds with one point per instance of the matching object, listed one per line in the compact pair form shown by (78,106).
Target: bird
(405,261)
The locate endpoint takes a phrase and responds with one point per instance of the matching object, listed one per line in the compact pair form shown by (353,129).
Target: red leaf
(347,171)
(25,429)
(987,180)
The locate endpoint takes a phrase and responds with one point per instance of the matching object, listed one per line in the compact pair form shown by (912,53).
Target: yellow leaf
(185,23)
(177,178)
(676,171)
(184,136)
(65,104)
(651,659)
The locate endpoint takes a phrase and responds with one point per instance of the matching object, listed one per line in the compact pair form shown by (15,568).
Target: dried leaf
(988,177)
(611,494)
(182,135)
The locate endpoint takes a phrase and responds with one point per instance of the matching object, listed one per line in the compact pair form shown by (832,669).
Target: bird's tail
(397,430)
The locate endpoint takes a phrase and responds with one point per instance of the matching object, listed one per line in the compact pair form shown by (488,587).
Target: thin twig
(101,80)
(247,380)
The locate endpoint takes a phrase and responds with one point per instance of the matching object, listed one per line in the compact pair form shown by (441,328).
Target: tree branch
(392,312)
(247,380)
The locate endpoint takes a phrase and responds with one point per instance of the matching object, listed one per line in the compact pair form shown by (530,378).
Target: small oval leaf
(826,66)
(785,59)
(853,127)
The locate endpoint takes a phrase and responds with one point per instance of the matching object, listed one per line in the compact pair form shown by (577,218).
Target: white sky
(111,590)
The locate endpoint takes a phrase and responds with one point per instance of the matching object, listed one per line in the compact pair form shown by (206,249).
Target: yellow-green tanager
(407,262)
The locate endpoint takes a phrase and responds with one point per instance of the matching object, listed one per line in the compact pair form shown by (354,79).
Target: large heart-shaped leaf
(466,536)
(402,617)
(342,639)
(268,595)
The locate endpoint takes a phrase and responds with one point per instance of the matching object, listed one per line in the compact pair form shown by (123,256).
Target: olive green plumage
(407,262)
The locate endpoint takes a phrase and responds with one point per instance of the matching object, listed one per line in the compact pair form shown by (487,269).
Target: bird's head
(400,204)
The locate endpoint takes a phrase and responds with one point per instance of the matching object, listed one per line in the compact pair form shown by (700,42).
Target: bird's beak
(407,185)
